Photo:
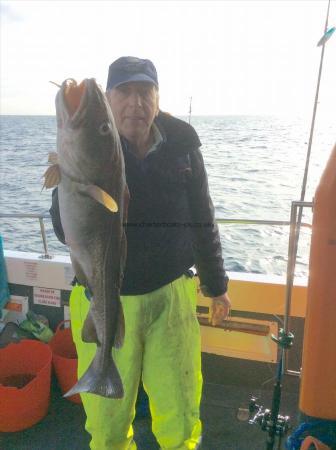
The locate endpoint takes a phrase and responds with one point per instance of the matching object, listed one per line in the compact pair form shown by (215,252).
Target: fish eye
(104,128)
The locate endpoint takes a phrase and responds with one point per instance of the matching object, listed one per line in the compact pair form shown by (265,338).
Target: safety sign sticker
(47,296)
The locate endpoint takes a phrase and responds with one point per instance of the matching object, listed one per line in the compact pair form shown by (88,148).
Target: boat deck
(227,387)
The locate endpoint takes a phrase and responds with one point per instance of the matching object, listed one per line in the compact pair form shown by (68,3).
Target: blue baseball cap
(130,68)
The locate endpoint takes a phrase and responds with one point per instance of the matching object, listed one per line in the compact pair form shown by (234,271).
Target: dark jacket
(171,223)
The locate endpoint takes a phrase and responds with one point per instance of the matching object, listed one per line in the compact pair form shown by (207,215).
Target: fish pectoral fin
(52,176)
(120,333)
(102,197)
(53,158)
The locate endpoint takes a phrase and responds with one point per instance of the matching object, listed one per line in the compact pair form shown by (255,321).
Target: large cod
(93,197)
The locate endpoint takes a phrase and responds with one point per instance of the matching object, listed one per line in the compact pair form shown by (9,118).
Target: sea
(255,167)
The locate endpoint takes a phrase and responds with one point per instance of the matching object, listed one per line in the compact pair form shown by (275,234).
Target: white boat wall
(44,285)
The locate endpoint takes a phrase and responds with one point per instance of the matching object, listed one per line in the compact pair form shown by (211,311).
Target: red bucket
(65,359)
(25,369)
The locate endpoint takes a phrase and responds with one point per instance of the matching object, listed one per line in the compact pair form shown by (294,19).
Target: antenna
(190,102)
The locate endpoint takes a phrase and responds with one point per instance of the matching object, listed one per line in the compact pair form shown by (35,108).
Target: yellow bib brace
(162,346)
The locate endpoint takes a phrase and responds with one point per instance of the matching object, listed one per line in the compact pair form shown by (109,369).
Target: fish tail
(104,382)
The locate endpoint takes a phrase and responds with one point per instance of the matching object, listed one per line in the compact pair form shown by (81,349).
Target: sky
(231,57)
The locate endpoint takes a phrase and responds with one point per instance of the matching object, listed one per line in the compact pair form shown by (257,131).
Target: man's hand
(220,309)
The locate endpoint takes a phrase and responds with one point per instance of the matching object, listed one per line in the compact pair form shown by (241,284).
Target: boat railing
(220,221)
(40,218)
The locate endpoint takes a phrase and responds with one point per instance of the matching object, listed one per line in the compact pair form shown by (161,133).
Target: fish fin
(53,157)
(102,197)
(52,176)
(89,331)
(105,382)
(120,333)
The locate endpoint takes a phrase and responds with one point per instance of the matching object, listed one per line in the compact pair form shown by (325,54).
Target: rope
(321,429)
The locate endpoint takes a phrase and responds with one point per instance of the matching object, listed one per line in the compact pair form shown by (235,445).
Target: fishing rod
(321,43)
(290,276)
(270,421)
(276,425)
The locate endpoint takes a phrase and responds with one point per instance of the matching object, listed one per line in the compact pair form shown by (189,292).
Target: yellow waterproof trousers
(162,345)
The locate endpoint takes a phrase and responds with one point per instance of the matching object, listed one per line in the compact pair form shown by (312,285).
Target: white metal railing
(40,218)
(220,221)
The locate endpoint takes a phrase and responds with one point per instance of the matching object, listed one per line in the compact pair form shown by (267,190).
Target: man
(170,228)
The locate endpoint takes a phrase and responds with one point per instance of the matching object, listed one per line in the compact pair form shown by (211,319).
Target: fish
(89,170)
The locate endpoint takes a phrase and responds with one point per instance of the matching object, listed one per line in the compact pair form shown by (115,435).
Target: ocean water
(255,167)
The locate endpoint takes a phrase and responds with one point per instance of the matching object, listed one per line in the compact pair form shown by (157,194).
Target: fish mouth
(76,102)
(73,95)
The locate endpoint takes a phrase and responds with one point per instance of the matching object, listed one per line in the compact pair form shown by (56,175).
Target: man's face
(134,106)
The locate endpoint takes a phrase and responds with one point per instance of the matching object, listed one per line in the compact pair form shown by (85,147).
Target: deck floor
(63,427)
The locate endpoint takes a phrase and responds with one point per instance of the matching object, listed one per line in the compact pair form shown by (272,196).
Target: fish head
(87,140)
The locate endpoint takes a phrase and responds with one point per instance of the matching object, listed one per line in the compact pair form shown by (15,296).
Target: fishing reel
(263,418)
(256,414)
(270,420)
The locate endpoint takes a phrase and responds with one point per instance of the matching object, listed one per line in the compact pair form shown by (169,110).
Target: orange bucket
(25,369)
(65,359)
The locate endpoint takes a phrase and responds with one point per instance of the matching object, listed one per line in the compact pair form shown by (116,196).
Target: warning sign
(47,297)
